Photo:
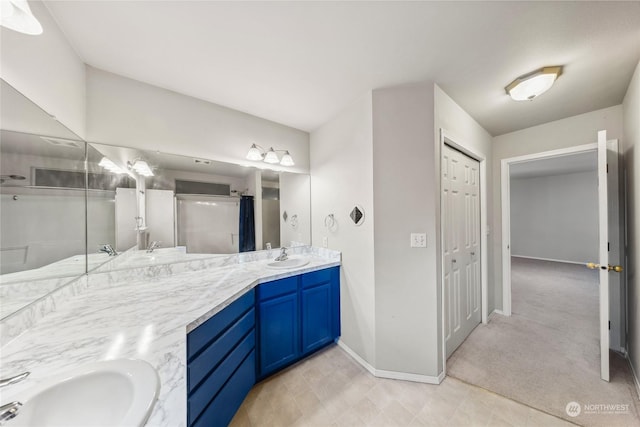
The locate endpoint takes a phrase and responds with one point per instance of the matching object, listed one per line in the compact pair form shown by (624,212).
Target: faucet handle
(8,381)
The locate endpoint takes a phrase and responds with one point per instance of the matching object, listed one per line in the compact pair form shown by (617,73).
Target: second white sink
(111,393)
(289,263)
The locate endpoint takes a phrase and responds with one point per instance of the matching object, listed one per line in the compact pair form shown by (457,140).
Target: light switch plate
(418,240)
(325,242)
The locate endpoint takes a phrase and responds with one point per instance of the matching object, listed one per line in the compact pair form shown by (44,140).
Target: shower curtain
(247,225)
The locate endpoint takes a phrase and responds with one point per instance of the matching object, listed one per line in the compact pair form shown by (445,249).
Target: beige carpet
(547,353)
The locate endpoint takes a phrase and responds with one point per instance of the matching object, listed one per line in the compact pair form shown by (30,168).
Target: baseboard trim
(394,375)
(548,259)
(357,357)
(496,311)
(417,378)
(635,376)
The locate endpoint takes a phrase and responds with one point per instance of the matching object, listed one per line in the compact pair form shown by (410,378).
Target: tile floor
(331,389)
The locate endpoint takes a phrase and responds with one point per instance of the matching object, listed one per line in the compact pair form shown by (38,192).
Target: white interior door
(461,246)
(612,297)
(603,252)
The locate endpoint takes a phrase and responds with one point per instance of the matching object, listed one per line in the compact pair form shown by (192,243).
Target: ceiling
(300,63)
(572,163)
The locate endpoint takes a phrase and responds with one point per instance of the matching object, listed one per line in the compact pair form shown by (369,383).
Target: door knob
(616,268)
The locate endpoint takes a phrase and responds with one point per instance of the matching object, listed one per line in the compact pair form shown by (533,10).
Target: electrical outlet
(418,240)
(325,242)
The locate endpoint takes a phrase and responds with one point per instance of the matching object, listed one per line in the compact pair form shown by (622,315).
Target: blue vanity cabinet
(320,308)
(278,325)
(221,364)
(296,316)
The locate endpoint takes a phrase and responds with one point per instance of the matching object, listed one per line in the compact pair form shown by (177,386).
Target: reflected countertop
(142,319)
(21,288)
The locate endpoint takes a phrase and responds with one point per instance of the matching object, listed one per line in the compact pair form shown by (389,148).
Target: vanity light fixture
(532,85)
(16,15)
(110,166)
(257,153)
(141,167)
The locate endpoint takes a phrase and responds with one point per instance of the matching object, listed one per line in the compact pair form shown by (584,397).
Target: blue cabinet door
(278,333)
(316,312)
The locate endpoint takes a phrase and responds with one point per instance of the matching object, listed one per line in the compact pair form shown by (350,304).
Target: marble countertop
(141,319)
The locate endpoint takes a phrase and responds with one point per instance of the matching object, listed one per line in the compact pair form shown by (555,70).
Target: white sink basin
(289,263)
(111,393)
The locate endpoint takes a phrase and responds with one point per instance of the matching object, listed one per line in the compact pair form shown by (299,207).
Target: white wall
(342,176)
(405,194)
(121,111)
(631,145)
(467,132)
(295,199)
(555,217)
(46,69)
(573,131)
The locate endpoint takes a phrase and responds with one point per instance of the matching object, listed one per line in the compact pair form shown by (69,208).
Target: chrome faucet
(283,254)
(10,410)
(108,249)
(154,245)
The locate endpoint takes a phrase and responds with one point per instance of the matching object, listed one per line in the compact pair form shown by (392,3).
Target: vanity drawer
(209,389)
(221,410)
(211,356)
(277,287)
(212,328)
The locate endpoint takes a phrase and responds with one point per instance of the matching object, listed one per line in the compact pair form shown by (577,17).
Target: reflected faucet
(8,381)
(283,254)
(108,249)
(155,244)
(10,410)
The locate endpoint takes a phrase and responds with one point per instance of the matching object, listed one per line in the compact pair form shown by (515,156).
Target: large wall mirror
(42,203)
(60,219)
(183,207)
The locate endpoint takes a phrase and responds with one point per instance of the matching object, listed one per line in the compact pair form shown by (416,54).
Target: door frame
(447,138)
(505,197)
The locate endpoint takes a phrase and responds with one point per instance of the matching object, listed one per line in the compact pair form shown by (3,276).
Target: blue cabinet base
(260,333)
(296,317)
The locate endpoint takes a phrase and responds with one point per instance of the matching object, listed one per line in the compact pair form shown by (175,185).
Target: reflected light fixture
(141,167)
(532,85)
(109,165)
(257,153)
(16,15)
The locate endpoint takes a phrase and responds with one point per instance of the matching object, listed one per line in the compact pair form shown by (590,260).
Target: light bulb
(287,160)
(271,157)
(254,153)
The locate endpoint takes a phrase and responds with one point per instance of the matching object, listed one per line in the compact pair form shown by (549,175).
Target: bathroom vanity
(210,333)
(266,329)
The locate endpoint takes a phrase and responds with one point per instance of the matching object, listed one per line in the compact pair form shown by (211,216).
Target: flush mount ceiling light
(109,165)
(532,85)
(16,15)
(141,167)
(257,153)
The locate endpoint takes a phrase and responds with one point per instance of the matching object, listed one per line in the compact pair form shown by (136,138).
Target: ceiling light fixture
(532,85)
(110,166)
(141,167)
(16,15)
(257,153)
